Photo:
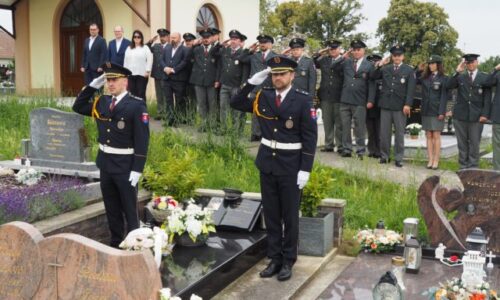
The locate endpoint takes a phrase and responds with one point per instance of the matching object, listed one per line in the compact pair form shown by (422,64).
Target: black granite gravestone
(240,214)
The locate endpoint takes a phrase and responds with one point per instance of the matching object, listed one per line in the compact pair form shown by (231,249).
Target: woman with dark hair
(139,60)
(433,108)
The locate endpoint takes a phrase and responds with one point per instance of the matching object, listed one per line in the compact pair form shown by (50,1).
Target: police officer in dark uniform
(257,61)
(471,109)
(157,71)
(231,74)
(398,87)
(188,42)
(494,81)
(285,157)
(305,73)
(330,89)
(373,116)
(123,127)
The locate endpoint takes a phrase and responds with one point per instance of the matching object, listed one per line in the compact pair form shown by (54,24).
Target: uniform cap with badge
(470,57)
(297,43)
(435,59)
(374,57)
(358,44)
(281,64)
(235,34)
(163,32)
(112,70)
(214,30)
(205,33)
(264,38)
(397,50)
(333,44)
(188,36)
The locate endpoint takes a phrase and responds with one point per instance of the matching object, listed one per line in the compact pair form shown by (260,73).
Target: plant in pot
(161,207)
(414,130)
(315,227)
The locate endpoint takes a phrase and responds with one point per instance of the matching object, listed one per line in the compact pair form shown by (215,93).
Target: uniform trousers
(496,146)
(468,139)
(120,200)
(206,104)
(281,204)
(388,118)
(137,86)
(373,129)
(356,113)
(328,113)
(175,109)
(160,97)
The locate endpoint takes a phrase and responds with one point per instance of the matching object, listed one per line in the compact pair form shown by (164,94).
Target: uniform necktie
(355,65)
(396,68)
(113,104)
(233,51)
(278,100)
(263,57)
(470,77)
(206,50)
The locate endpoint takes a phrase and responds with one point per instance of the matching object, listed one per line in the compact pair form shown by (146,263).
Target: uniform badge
(289,124)
(380,87)
(313,113)
(213,60)
(236,62)
(277,59)
(120,124)
(480,91)
(403,80)
(436,85)
(303,73)
(145,118)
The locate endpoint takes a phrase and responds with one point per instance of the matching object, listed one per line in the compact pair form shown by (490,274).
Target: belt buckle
(273,144)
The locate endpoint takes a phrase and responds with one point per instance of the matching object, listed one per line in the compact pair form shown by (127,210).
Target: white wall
(240,15)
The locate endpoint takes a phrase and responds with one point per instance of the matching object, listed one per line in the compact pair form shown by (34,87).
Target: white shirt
(474,73)
(283,93)
(138,60)
(358,63)
(266,53)
(118,44)
(91,42)
(175,49)
(119,97)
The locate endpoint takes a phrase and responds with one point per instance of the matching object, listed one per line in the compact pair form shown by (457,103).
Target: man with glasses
(117,47)
(94,54)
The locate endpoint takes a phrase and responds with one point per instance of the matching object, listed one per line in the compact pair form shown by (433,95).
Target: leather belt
(282,146)
(113,150)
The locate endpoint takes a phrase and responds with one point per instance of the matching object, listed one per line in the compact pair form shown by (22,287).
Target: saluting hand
(497,67)
(347,53)
(461,66)
(259,77)
(286,51)
(98,82)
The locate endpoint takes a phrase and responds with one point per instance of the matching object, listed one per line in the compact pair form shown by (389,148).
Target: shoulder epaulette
(135,97)
(302,92)
(267,88)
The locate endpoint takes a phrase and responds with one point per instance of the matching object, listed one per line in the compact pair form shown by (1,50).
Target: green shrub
(316,189)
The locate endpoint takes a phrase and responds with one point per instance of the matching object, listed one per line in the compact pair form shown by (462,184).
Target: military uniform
(257,62)
(373,116)
(434,98)
(398,87)
(289,134)
(231,73)
(356,91)
(329,93)
(473,102)
(190,93)
(123,136)
(157,72)
(305,72)
(203,77)
(494,116)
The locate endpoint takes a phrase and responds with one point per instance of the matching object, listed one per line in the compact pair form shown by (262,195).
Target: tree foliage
(489,64)
(422,28)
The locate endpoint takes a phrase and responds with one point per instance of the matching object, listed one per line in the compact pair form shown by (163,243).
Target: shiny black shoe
(398,164)
(383,161)
(271,269)
(326,150)
(285,272)
(346,154)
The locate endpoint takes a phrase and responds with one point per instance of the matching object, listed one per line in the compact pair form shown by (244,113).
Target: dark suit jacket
(204,66)
(493,81)
(115,56)
(398,87)
(179,61)
(473,99)
(96,56)
(332,79)
(230,71)
(357,87)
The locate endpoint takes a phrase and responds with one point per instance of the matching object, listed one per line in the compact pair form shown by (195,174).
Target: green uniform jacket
(434,95)
(473,99)
(330,87)
(305,75)
(494,81)
(357,88)
(398,87)
(204,67)
(257,64)
(230,70)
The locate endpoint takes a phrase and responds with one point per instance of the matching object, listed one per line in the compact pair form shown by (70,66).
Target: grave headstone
(20,261)
(478,205)
(235,215)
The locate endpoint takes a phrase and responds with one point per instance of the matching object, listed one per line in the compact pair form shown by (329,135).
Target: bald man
(173,63)
(117,47)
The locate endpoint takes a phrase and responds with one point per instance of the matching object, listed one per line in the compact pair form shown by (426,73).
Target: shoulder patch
(267,88)
(302,92)
(135,97)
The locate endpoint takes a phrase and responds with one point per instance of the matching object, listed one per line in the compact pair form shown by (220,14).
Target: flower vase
(414,137)
(185,240)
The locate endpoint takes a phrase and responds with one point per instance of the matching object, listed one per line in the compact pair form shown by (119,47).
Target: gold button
(274,153)
(109,130)
(107,141)
(275,130)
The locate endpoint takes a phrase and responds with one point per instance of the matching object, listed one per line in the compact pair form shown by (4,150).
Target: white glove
(134,178)
(302,179)
(98,82)
(259,77)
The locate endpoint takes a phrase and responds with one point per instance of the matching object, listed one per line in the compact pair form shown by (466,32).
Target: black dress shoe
(398,164)
(326,150)
(346,154)
(340,151)
(371,155)
(376,156)
(383,161)
(271,269)
(285,272)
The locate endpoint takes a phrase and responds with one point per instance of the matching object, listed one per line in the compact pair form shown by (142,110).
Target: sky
(475,22)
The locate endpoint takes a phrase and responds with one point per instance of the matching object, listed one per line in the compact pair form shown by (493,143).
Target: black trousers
(281,203)
(178,111)
(373,128)
(120,202)
(90,75)
(137,85)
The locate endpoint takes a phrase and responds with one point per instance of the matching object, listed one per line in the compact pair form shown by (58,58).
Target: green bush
(316,189)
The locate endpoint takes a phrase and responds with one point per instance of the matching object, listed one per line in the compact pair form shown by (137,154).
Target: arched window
(81,13)
(206,18)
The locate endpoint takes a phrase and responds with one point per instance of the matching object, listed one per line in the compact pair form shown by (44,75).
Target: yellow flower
(162,205)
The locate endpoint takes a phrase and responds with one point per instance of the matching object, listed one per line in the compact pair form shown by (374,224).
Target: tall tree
(422,28)
(489,64)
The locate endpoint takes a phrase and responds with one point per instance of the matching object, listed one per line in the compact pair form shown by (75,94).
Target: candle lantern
(380,228)
(412,255)
(387,288)
(410,228)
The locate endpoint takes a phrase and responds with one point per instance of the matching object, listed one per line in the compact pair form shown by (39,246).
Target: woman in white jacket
(139,60)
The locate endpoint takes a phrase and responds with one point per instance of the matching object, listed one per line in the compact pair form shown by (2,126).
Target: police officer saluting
(285,157)
(398,87)
(305,72)
(373,116)
(471,109)
(123,127)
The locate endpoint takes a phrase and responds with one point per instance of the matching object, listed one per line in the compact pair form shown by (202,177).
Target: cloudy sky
(475,21)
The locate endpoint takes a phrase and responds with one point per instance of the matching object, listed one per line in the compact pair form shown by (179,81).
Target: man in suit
(329,93)
(157,70)
(203,78)
(231,74)
(471,109)
(356,91)
(398,88)
(285,157)
(257,62)
(173,62)
(94,54)
(373,116)
(305,73)
(117,47)
(189,40)
(123,136)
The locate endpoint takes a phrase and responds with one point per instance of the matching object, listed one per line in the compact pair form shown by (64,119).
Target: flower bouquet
(155,239)
(29,176)
(161,207)
(455,290)
(166,294)
(414,129)
(190,226)
(378,242)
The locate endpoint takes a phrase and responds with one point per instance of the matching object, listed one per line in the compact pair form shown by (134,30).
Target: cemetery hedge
(224,162)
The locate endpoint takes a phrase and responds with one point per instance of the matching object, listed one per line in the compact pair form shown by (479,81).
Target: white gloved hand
(134,178)
(259,77)
(302,179)
(98,82)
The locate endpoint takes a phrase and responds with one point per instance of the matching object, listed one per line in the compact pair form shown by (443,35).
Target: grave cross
(294,28)
(56,265)
(490,261)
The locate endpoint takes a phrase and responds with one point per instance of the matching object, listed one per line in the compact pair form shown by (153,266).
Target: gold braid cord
(95,113)
(256,108)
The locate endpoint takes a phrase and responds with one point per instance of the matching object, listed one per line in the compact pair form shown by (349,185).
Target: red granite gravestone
(20,261)
(478,205)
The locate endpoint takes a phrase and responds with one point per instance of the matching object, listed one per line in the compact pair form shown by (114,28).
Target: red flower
(453,258)
(477,296)
(373,246)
